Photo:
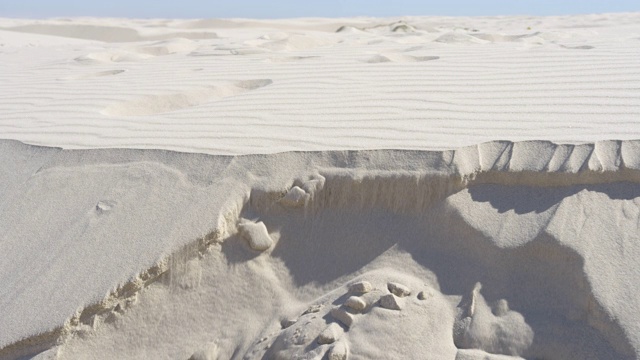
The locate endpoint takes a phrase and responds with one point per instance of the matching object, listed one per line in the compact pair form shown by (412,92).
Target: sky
(304,8)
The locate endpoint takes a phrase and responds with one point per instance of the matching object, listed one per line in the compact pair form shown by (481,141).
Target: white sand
(495,250)
(245,86)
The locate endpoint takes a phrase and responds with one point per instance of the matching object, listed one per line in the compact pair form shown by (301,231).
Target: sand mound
(96,74)
(395,27)
(110,34)
(173,46)
(286,59)
(296,42)
(111,56)
(160,104)
(330,326)
(139,53)
(534,37)
(380,58)
(460,38)
(77,31)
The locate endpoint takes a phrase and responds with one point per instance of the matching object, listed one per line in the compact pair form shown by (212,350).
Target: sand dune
(438,83)
(105,33)
(406,188)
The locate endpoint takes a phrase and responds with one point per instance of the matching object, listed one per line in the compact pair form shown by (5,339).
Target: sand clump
(361,287)
(355,303)
(398,290)
(419,187)
(408,251)
(391,302)
(496,330)
(330,334)
(256,234)
(295,197)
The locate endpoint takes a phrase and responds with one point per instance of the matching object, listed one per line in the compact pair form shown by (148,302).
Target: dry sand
(461,188)
(246,87)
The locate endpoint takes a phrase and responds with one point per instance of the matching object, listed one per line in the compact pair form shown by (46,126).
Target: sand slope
(411,83)
(461,188)
(552,240)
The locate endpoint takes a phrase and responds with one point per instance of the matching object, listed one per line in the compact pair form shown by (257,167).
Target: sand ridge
(426,83)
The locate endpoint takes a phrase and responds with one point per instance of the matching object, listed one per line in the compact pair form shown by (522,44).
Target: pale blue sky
(300,8)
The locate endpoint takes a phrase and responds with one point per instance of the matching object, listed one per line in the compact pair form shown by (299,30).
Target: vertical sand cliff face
(528,246)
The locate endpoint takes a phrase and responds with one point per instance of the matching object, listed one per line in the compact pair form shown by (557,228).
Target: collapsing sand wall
(509,246)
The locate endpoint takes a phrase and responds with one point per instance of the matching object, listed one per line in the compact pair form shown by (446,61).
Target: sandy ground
(245,87)
(415,188)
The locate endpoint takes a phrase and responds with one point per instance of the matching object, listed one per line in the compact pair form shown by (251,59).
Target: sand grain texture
(416,188)
(423,83)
